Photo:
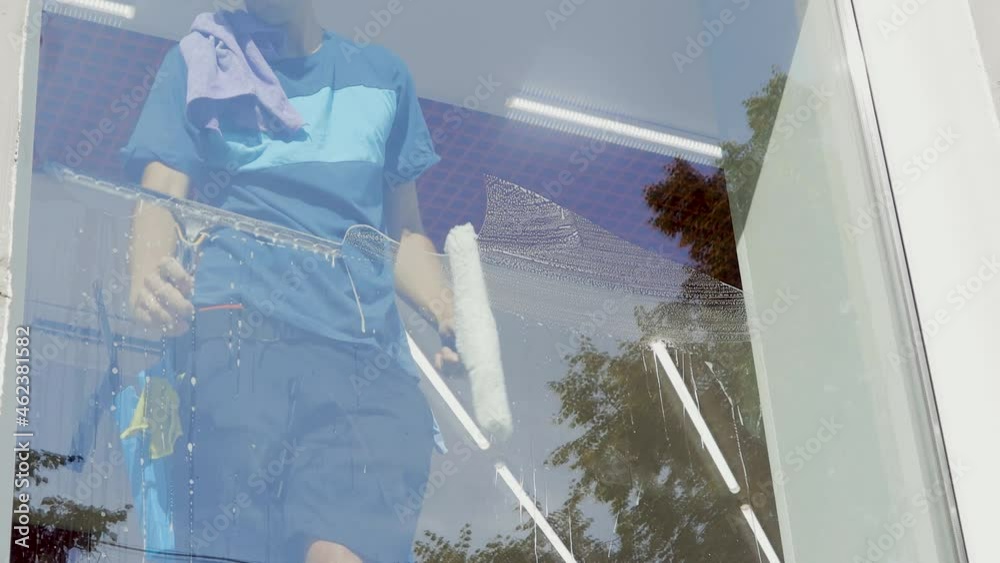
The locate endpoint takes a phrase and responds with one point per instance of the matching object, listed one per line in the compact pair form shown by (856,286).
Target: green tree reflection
(636,453)
(60,525)
(707,211)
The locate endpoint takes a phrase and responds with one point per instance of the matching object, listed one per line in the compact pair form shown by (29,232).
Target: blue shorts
(290,438)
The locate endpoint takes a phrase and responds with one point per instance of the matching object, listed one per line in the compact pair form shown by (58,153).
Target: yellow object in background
(158,415)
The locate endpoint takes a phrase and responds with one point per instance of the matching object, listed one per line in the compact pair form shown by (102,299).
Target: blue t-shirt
(364,136)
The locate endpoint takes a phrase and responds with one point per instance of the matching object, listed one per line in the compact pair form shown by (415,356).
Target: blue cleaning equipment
(147,472)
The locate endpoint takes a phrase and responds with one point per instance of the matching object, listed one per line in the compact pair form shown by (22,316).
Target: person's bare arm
(420,277)
(161,288)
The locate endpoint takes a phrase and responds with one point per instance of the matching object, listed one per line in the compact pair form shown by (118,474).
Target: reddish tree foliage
(695,207)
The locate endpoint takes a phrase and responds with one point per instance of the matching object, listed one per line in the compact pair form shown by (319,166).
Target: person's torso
(324,180)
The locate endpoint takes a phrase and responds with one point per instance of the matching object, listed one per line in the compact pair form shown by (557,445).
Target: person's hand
(447,358)
(162,301)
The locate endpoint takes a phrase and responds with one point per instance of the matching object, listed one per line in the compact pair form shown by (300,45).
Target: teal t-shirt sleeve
(163,132)
(409,150)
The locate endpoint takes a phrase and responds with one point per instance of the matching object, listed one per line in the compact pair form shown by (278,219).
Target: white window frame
(927,74)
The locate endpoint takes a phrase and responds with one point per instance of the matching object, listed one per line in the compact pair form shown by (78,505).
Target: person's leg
(329,552)
(231,487)
(354,494)
(234,452)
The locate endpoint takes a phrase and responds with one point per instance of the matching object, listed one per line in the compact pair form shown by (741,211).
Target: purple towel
(228,74)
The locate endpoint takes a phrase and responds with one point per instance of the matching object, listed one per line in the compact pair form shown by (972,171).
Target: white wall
(927,71)
(16,137)
(986,14)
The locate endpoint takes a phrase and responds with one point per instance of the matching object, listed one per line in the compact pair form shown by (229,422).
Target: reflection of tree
(742,162)
(672,504)
(695,207)
(59,525)
(635,451)
(527,544)
(704,210)
(683,511)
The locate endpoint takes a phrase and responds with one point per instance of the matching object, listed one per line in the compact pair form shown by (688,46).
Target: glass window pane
(468,282)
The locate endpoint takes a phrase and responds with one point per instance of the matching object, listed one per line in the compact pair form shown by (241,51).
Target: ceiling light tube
(660,350)
(446,393)
(619,128)
(758,533)
(529,505)
(109,7)
(477,435)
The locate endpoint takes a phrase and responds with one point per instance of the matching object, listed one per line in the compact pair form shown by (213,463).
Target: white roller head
(476,334)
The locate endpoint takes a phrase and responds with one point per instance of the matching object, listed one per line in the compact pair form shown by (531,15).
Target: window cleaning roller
(476,334)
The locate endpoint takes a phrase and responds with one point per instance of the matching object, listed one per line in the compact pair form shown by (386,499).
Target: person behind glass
(303,448)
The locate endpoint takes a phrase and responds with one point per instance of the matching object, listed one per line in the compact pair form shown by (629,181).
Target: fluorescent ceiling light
(660,350)
(758,533)
(617,128)
(449,397)
(117,9)
(477,435)
(529,505)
